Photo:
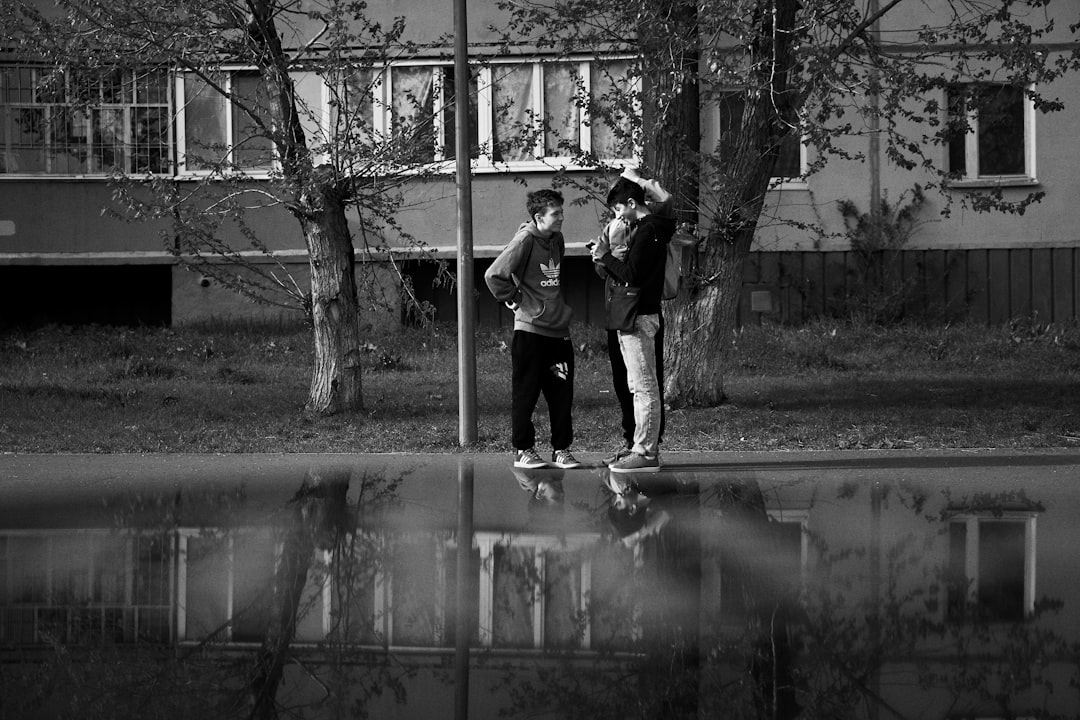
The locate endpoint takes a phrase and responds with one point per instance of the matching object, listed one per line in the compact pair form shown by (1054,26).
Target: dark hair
(624,190)
(539,200)
(625,520)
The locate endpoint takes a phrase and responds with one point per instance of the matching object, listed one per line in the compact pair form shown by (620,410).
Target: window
(991,132)
(772,560)
(57,124)
(534,592)
(214,134)
(226,588)
(992,566)
(791,163)
(539,111)
(84,587)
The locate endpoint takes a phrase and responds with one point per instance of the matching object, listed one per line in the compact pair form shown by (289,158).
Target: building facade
(63,257)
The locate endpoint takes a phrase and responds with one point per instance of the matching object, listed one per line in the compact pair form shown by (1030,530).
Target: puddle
(327,586)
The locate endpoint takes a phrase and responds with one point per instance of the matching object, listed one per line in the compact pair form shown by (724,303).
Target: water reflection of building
(897,562)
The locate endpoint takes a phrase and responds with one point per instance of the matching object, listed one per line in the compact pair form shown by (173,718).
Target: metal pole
(466,312)
(463,587)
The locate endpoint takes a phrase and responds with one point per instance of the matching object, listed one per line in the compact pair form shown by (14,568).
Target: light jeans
(639,353)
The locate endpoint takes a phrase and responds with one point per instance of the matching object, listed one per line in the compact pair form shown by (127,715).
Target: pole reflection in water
(810,586)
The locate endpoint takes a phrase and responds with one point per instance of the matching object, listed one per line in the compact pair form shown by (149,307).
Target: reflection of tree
(837,643)
(274,565)
(711,614)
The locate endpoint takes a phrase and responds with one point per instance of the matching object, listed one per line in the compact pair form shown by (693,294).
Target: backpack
(673,263)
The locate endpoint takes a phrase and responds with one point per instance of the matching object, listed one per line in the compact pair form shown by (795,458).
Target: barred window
(54,123)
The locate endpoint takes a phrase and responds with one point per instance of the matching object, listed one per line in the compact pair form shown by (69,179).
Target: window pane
(513,108)
(514,583)
(150,151)
(450,615)
(253,149)
(69,135)
(353,115)
(956,132)
(731,106)
(27,574)
(563,620)
(108,143)
(412,106)
(206,600)
(17,85)
(612,598)
(450,96)
(1001,570)
(1001,132)
(309,100)
(415,600)
(114,88)
(789,164)
(204,125)
(152,88)
(151,571)
(26,151)
(352,602)
(609,116)
(253,586)
(562,132)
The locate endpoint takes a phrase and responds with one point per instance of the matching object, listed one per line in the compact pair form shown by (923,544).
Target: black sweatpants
(622,387)
(541,365)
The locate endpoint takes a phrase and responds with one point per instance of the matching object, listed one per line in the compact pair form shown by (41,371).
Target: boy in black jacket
(643,268)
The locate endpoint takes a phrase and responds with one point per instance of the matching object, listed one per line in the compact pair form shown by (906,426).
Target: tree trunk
(694,369)
(335,312)
(320,208)
(317,509)
(701,320)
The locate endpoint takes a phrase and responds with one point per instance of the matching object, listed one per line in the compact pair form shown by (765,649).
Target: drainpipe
(874,150)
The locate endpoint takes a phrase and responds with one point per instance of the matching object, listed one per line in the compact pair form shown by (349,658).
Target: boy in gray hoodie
(526,276)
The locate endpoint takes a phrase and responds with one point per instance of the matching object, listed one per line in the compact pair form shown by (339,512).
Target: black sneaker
(564,459)
(528,459)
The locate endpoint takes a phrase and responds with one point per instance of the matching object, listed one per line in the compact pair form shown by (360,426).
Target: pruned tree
(282,150)
(818,70)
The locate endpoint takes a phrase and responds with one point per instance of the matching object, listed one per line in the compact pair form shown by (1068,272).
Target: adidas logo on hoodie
(552,273)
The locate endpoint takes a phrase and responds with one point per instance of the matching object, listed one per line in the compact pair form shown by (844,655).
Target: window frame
(51,107)
(540,546)
(127,545)
(729,617)
(973,178)
(776,182)
(972,522)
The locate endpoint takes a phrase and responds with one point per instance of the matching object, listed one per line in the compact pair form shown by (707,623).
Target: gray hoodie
(528,272)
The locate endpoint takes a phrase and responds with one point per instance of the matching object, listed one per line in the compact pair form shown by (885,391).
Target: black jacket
(644,264)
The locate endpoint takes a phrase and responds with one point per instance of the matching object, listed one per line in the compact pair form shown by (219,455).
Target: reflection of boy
(617,233)
(543,489)
(643,268)
(527,277)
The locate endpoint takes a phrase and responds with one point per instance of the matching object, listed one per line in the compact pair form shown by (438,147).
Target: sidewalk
(76,490)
